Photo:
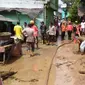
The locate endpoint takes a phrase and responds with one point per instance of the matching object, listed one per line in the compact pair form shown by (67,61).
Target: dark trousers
(57,34)
(36,41)
(69,35)
(31,46)
(43,37)
(62,35)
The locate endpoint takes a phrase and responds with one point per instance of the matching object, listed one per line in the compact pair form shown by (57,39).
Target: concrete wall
(22,17)
(49,9)
(49,16)
(54,4)
(16,16)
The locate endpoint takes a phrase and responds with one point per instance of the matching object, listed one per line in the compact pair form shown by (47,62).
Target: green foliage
(74,11)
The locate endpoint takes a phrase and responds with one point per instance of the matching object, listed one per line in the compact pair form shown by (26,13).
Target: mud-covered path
(70,66)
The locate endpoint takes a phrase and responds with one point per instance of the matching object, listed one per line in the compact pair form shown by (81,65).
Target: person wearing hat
(35,28)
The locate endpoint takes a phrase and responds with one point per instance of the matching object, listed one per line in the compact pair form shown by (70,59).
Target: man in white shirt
(52,33)
(82,47)
(83,26)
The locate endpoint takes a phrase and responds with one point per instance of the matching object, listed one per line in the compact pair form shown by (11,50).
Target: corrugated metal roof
(32,13)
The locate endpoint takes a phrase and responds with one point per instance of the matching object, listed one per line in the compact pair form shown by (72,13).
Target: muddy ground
(68,67)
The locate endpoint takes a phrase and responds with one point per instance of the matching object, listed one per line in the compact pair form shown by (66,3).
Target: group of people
(48,35)
(70,28)
(73,30)
(51,33)
(29,34)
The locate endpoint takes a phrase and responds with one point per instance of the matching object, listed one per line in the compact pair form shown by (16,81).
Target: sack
(15,51)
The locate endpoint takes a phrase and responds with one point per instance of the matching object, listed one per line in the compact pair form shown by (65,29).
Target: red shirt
(35,30)
(69,28)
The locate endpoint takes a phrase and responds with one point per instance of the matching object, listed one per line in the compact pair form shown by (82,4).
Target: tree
(74,11)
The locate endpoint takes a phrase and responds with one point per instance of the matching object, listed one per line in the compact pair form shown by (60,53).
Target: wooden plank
(7,45)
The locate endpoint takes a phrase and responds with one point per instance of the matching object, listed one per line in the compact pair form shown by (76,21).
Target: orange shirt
(63,28)
(69,27)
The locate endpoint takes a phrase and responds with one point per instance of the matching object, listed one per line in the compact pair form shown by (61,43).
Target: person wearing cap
(35,28)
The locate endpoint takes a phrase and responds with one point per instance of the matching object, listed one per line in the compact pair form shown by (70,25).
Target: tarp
(2,18)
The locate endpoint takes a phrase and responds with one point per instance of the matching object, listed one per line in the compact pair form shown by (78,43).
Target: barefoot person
(29,34)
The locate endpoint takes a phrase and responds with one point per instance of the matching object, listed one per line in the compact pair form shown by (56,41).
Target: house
(25,10)
(49,8)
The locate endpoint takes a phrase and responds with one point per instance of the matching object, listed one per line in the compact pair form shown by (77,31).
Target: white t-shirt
(82,46)
(52,30)
(29,33)
(83,25)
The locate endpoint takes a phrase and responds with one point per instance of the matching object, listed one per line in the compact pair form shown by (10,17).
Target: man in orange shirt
(69,29)
(63,29)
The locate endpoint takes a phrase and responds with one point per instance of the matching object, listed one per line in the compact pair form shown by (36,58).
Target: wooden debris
(82,72)
(33,80)
(6,74)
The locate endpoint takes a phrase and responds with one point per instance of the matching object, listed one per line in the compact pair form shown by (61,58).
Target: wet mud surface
(68,67)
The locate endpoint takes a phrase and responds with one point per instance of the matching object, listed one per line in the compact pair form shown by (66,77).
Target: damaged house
(25,10)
